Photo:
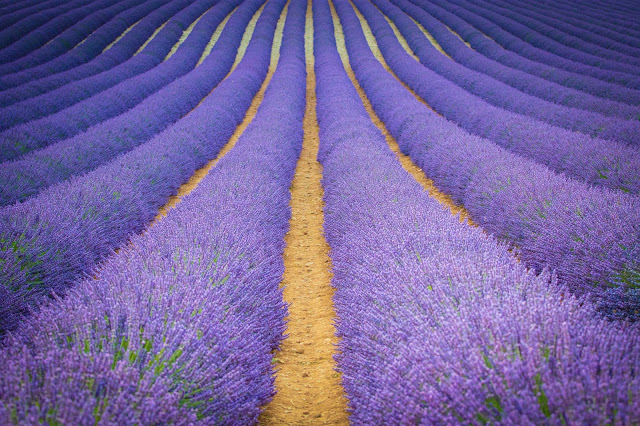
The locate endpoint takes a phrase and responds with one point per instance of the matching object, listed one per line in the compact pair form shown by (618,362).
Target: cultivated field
(319,212)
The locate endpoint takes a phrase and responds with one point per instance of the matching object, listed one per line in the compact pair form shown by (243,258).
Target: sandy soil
(405,160)
(309,389)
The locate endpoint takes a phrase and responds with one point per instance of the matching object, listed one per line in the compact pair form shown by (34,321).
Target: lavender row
(52,240)
(557,41)
(594,160)
(70,38)
(47,32)
(589,235)
(97,42)
(570,78)
(128,82)
(13,11)
(583,28)
(492,92)
(581,52)
(520,80)
(623,23)
(24,138)
(27,176)
(439,323)
(121,51)
(13,33)
(526,50)
(185,318)
(590,18)
(89,46)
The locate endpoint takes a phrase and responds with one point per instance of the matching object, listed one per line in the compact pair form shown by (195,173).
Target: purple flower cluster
(28,175)
(603,71)
(179,326)
(52,240)
(571,77)
(530,84)
(439,323)
(589,235)
(54,28)
(593,160)
(97,42)
(132,78)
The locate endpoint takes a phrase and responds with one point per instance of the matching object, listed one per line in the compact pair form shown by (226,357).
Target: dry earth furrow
(405,160)
(308,387)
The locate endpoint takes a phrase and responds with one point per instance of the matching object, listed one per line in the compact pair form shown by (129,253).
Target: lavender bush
(47,32)
(595,81)
(470,58)
(30,174)
(71,37)
(496,93)
(98,41)
(180,325)
(77,72)
(600,18)
(52,240)
(589,235)
(439,323)
(14,11)
(9,35)
(593,160)
(582,28)
(556,40)
(127,93)
(605,71)
(21,139)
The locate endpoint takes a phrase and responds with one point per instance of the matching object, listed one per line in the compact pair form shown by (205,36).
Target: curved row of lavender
(14,11)
(56,238)
(96,43)
(183,320)
(26,137)
(589,235)
(452,80)
(598,17)
(30,174)
(130,78)
(581,28)
(47,32)
(494,51)
(439,323)
(71,38)
(123,50)
(530,84)
(525,50)
(68,39)
(554,40)
(15,32)
(593,160)
(583,54)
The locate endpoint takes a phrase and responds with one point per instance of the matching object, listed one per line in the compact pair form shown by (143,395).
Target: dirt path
(405,160)
(199,174)
(308,387)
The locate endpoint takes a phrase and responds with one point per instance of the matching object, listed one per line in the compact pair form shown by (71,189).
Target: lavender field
(378,212)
